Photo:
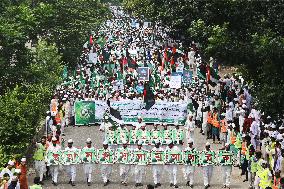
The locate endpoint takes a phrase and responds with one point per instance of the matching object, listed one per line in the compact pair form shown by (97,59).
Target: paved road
(80,134)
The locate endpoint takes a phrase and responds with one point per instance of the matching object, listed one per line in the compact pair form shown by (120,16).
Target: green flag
(65,72)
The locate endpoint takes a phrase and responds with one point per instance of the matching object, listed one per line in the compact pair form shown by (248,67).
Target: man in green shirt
(39,157)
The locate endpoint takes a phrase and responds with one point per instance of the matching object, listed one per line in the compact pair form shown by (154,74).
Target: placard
(54,158)
(111,137)
(88,155)
(105,156)
(118,85)
(143,73)
(207,158)
(157,157)
(187,76)
(71,157)
(173,157)
(121,135)
(175,81)
(191,157)
(93,58)
(85,112)
(140,157)
(225,157)
(123,156)
(177,136)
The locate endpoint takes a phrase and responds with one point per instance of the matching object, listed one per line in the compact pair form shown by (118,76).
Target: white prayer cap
(227,144)
(115,107)
(88,140)
(14,178)
(244,135)
(124,142)
(165,124)
(244,101)
(11,162)
(279,137)
(47,112)
(105,142)
(157,141)
(23,159)
(190,141)
(263,162)
(207,144)
(139,117)
(140,142)
(268,117)
(18,171)
(106,117)
(169,141)
(70,141)
(53,139)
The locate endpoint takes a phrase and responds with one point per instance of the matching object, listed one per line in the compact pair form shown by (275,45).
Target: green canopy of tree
(247,34)
(36,39)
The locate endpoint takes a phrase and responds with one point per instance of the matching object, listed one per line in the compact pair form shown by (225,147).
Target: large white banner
(169,112)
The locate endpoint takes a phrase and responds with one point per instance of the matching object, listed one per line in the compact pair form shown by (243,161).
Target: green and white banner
(140,157)
(91,112)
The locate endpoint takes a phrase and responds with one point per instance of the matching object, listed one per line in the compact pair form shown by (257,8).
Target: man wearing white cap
(189,127)
(54,106)
(139,123)
(106,168)
(124,168)
(189,169)
(157,169)
(207,169)
(39,157)
(226,170)
(255,132)
(48,122)
(23,176)
(8,170)
(104,127)
(139,170)
(53,168)
(205,109)
(88,166)
(71,169)
(172,168)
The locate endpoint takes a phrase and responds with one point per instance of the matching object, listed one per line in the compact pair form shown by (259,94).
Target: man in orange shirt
(216,125)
